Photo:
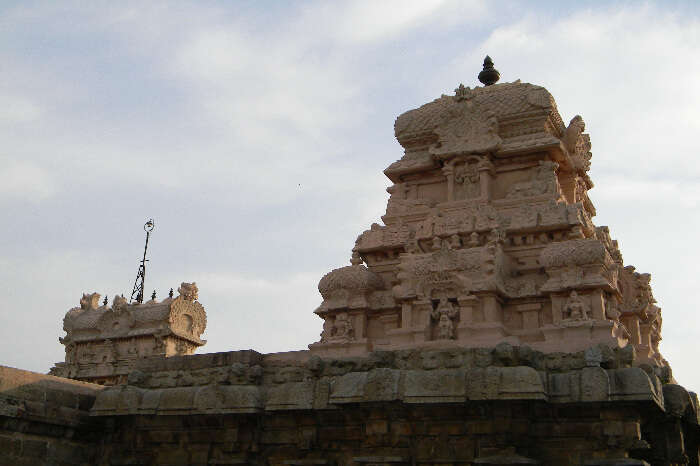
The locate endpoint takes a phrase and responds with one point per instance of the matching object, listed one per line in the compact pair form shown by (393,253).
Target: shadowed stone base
(460,406)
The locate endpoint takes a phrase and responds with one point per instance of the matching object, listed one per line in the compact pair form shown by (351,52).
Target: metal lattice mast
(137,293)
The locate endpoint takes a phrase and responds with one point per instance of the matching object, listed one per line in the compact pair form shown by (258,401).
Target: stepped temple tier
(486,321)
(488,237)
(102,343)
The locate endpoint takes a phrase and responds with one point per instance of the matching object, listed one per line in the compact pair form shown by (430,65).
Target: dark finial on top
(170,295)
(153,296)
(104,303)
(489,75)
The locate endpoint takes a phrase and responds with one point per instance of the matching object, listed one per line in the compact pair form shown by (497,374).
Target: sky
(255,135)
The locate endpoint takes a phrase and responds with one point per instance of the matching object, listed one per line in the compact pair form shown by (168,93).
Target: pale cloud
(678,192)
(368,21)
(17,109)
(246,81)
(24,181)
(39,289)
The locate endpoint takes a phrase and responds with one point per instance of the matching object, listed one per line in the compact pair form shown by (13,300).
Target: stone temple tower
(488,237)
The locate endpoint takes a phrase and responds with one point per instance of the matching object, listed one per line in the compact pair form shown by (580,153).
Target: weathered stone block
(632,383)
(295,395)
(376,427)
(241,398)
(437,386)
(595,384)
(176,400)
(34,448)
(348,388)
(69,453)
(10,446)
(375,385)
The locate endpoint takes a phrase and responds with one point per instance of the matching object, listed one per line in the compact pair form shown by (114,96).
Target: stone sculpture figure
(575,308)
(444,314)
(467,177)
(90,301)
(342,327)
(188,291)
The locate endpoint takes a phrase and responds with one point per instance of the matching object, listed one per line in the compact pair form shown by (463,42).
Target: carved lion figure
(119,303)
(188,291)
(90,301)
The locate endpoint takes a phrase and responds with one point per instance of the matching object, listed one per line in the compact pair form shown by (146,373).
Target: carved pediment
(187,317)
(466,129)
(116,321)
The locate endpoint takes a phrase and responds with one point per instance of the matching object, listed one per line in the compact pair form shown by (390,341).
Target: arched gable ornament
(117,320)
(466,129)
(187,316)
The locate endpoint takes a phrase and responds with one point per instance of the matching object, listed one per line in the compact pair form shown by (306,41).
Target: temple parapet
(103,342)
(488,237)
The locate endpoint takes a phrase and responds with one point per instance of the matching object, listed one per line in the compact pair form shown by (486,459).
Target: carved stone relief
(443,317)
(467,184)
(542,181)
(576,308)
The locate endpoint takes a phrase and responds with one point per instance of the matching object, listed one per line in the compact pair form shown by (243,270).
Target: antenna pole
(137,293)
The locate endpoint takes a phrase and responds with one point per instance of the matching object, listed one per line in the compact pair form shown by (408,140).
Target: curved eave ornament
(187,316)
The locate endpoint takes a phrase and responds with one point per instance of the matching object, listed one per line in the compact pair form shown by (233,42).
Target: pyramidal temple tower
(488,237)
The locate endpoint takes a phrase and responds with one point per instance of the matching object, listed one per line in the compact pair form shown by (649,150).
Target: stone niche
(488,237)
(103,342)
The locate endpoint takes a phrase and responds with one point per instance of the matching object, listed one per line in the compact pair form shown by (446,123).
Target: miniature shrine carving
(102,343)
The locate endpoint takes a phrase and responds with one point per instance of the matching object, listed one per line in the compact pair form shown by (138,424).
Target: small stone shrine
(487,322)
(102,343)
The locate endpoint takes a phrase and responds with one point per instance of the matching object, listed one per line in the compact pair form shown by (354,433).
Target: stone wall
(503,405)
(468,406)
(507,432)
(44,420)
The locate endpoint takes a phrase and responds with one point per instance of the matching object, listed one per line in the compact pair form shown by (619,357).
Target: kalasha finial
(489,75)
(170,294)
(104,303)
(153,296)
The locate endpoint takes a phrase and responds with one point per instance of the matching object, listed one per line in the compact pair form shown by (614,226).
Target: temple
(486,321)
(102,343)
(488,237)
